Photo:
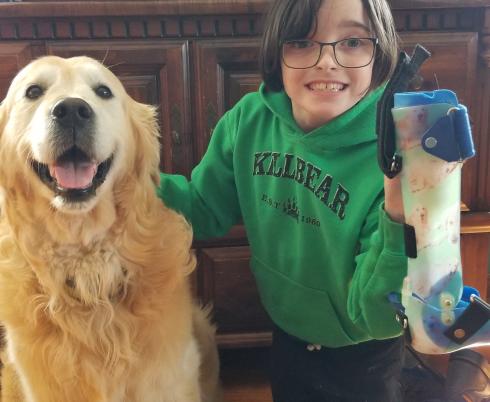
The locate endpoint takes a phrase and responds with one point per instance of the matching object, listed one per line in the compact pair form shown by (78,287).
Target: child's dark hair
(293,19)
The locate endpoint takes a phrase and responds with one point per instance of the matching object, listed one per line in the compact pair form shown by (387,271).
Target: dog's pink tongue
(71,174)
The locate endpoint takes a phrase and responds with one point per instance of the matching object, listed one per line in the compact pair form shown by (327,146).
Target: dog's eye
(34,92)
(103,92)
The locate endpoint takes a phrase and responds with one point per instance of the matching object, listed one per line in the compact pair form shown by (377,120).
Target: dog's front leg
(44,389)
(11,389)
(167,376)
(184,391)
(41,383)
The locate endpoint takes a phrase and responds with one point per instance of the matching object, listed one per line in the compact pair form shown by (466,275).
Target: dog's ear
(146,140)
(2,117)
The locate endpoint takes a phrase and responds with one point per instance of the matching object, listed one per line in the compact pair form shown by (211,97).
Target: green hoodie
(324,253)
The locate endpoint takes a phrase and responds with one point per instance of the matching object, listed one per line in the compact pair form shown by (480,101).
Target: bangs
(299,20)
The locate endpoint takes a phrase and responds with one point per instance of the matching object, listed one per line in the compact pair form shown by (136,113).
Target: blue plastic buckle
(450,137)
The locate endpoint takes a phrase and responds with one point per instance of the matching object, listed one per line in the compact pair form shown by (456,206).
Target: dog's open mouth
(74,175)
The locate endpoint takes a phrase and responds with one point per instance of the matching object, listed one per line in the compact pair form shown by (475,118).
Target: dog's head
(69,132)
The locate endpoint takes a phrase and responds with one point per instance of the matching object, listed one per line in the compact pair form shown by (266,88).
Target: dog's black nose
(72,112)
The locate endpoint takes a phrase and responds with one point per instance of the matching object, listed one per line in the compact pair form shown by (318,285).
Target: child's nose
(327,58)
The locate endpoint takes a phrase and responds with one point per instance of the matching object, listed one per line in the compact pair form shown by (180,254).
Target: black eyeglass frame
(322,45)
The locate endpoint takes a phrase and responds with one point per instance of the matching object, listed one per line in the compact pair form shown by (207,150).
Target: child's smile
(326,86)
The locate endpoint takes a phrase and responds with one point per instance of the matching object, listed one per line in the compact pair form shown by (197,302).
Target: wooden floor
(244,375)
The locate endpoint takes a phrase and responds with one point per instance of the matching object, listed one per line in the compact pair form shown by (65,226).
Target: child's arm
(381,266)
(209,200)
(394,199)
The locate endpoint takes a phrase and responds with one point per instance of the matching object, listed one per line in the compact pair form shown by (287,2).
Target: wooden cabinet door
(225,70)
(226,281)
(153,72)
(13,56)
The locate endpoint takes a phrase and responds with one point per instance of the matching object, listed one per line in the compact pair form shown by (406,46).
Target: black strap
(410,241)
(395,300)
(406,69)
(469,323)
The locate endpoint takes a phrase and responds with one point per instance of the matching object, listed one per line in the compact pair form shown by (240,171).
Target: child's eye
(352,43)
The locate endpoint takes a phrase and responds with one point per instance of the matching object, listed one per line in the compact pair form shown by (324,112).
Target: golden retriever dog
(94,291)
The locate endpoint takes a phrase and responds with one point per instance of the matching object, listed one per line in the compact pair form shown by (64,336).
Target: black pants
(367,372)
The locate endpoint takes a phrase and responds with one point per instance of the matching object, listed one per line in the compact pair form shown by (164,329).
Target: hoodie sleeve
(381,267)
(209,200)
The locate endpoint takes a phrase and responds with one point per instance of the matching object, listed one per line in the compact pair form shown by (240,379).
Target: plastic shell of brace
(433,137)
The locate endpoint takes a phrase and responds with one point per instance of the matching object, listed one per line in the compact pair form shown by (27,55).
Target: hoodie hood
(355,126)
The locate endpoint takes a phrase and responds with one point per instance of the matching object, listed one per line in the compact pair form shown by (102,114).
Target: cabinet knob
(176,125)
(176,140)
(211,118)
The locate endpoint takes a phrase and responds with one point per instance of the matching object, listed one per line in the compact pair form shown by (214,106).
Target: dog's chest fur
(89,274)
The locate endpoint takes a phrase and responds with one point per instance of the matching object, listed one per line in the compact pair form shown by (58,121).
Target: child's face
(325,91)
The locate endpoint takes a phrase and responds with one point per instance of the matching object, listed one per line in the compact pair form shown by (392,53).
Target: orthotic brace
(425,137)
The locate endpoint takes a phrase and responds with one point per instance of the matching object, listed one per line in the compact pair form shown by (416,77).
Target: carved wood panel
(152,72)
(474,255)
(482,197)
(225,71)
(482,191)
(130,27)
(13,56)
(226,281)
(436,19)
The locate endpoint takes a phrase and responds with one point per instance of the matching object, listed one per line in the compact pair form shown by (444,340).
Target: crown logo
(290,208)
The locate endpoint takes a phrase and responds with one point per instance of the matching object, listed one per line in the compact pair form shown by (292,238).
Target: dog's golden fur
(94,295)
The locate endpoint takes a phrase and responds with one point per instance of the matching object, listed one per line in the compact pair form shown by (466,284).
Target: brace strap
(410,241)
(469,323)
(450,137)
(406,69)
(401,318)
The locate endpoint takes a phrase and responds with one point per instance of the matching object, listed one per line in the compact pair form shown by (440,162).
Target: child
(296,162)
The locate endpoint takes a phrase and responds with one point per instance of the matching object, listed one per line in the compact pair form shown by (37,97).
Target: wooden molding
(485,39)
(244,339)
(407,4)
(105,21)
(468,19)
(133,8)
(475,222)
(131,27)
(64,8)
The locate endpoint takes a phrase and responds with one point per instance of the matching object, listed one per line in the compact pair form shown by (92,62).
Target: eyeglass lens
(351,52)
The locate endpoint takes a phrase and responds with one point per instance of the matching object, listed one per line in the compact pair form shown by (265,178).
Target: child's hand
(393,199)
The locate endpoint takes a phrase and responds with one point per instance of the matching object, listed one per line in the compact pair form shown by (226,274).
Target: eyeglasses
(348,53)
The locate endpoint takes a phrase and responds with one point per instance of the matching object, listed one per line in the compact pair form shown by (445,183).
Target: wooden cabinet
(13,56)
(226,69)
(196,59)
(226,281)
